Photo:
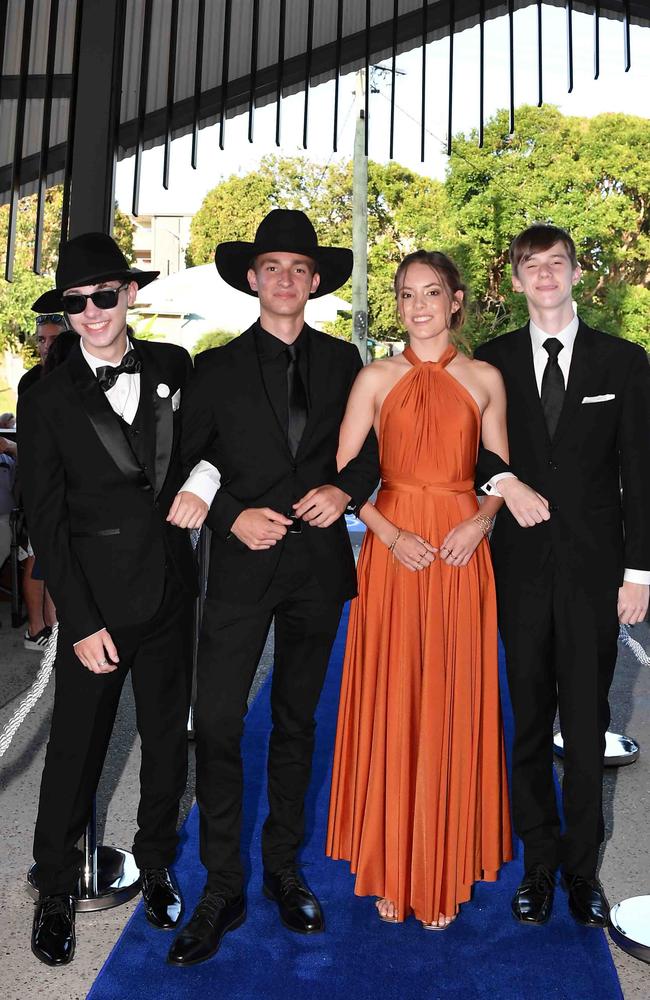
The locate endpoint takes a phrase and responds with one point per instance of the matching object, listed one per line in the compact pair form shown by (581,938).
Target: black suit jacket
(96,515)
(599,448)
(229,420)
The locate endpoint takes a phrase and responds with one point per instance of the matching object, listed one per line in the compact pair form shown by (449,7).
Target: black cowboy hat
(90,259)
(284,231)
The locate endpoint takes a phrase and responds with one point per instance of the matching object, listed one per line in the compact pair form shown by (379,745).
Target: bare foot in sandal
(441,924)
(387,910)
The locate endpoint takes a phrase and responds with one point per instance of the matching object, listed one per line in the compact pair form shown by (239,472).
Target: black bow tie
(107,375)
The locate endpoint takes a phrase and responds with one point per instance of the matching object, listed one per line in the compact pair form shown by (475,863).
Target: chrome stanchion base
(619,750)
(115,880)
(630,926)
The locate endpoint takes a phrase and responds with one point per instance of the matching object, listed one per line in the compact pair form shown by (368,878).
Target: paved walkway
(625,868)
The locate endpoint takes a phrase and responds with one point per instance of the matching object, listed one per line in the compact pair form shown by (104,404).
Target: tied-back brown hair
(448,274)
(537,238)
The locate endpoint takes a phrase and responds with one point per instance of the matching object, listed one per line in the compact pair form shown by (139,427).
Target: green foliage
(144,327)
(16,297)
(214,338)
(590,176)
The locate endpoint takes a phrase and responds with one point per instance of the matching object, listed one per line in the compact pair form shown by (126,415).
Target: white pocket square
(599,399)
(176,400)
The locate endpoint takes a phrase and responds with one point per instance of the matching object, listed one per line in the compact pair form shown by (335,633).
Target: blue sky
(614,91)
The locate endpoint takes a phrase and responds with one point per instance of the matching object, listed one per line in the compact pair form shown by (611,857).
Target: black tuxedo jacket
(228,419)
(595,472)
(96,514)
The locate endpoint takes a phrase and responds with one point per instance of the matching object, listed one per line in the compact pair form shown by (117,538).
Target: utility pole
(360,225)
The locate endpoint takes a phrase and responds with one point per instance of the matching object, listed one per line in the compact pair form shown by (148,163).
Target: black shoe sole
(237,922)
(296,930)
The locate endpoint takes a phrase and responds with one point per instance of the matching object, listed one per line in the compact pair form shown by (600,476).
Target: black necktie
(552,394)
(296,399)
(107,375)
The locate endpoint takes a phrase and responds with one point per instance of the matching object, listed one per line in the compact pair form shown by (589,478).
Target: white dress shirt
(567,336)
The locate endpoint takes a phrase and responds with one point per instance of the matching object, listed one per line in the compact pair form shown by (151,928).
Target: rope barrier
(635,647)
(34,693)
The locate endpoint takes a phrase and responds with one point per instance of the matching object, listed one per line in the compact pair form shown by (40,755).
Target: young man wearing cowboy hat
(100,466)
(265,410)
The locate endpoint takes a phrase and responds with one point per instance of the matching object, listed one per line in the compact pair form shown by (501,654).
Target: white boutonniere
(162,390)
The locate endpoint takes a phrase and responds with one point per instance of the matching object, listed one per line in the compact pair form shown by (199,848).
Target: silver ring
(102,663)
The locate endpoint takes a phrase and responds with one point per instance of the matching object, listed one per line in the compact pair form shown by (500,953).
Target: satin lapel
(151,377)
(103,419)
(522,362)
(582,363)
(320,360)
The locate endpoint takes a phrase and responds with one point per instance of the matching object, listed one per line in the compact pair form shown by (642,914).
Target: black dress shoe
(587,900)
(200,939)
(162,898)
(299,909)
(533,901)
(53,937)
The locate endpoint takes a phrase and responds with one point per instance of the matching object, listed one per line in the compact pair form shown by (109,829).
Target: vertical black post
(97,109)
(171,87)
(366,112)
(481,74)
(253,70)
(337,76)
(627,58)
(72,118)
(280,85)
(142,105)
(569,44)
(308,55)
(452,28)
(393,79)
(596,39)
(511,59)
(45,134)
(198,74)
(225,68)
(423,94)
(28,10)
(540,56)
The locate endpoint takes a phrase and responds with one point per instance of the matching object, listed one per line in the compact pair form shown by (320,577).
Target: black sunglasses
(50,318)
(105,298)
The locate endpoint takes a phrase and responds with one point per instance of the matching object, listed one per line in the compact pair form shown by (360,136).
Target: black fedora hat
(90,259)
(284,231)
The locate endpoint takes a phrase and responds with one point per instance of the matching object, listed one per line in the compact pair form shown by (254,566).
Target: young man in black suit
(265,410)
(100,466)
(572,559)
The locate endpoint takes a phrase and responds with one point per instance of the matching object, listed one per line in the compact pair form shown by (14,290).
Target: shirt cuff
(204,480)
(637,576)
(491,486)
(89,636)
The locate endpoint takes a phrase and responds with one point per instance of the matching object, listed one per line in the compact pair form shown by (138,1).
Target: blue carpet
(485,954)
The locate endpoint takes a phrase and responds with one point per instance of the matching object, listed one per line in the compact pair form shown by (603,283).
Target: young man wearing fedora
(265,410)
(100,466)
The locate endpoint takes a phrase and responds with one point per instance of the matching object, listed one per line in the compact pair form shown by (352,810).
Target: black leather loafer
(162,898)
(201,938)
(299,909)
(53,937)
(587,900)
(533,901)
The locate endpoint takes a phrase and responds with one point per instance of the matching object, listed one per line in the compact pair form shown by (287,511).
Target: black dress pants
(560,637)
(159,655)
(232,640)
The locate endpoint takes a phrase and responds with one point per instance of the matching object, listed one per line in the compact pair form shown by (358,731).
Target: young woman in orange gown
(419,800)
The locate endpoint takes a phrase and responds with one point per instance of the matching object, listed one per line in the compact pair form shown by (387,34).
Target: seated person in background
(48,328)
(7,421)
(7,475)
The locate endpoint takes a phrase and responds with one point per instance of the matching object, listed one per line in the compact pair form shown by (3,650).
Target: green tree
(214,338)
(590,176)
(16,297)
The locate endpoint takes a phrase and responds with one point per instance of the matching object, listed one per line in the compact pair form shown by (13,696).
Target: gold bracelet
(484,522)
(394,541)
